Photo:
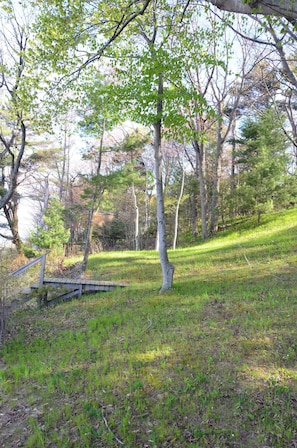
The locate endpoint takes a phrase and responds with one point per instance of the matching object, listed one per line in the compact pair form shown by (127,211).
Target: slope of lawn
(211,363)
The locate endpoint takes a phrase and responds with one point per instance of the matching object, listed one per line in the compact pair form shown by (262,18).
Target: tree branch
(121,26)
(281,8)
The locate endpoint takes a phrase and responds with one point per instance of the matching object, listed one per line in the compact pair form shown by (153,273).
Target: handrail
(23,269)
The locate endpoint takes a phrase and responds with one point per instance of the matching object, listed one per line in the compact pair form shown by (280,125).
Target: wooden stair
(76,288)
(55,290)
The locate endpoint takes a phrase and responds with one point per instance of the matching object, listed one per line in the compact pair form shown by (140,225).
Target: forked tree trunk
(167,267)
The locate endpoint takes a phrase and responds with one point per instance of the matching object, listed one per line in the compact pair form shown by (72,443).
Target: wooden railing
(4,306)
(41,259)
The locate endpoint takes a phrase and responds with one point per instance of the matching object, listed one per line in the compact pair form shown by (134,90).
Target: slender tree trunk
(200,154)
(167,268)
(232,176)
(69,245)
(177,209)
(136,236)
(195,198)
(232,180)
(88,239)
(62,174)
(44,206)
(94,199)
(147,213)
(216,182)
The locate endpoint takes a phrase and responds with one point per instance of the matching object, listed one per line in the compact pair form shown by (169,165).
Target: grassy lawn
(211,363)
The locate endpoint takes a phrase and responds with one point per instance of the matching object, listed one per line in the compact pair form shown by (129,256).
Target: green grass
(210,363)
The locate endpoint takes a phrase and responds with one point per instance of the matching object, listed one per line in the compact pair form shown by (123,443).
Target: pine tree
(53,235)
(262,162)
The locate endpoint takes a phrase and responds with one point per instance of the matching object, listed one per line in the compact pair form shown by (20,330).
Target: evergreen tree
(262,162)
(53,235)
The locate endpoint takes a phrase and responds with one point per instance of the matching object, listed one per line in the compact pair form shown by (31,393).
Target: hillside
(211,363)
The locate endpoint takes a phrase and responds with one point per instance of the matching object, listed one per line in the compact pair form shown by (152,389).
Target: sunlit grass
(210,363)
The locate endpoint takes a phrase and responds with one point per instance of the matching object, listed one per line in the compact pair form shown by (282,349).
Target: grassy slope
(211,363)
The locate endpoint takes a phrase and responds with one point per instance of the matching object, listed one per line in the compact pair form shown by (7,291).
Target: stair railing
(41,259)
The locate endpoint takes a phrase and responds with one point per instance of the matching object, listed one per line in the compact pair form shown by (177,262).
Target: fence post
(42,269)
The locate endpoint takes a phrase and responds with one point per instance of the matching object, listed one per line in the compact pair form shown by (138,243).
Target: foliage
(53,234)
(30,252)
(113,232)
(262,162)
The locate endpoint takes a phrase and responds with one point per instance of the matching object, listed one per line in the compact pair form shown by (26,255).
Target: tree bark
(94,199)
(136,227)
(201,162)
(282,8)
(167,268)
(11,214)
(216,181)
(177,209)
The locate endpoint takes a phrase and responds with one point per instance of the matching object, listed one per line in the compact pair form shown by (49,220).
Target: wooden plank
(64,297)
(85,285)
(82,282)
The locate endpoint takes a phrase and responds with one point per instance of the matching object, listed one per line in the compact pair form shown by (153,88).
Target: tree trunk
(136,236)
(15,162)
(177,209)
(44,206)
(282,8)
(88,240)
(195,198)
(167,268)
(61,175)
(216,182)
(69,245)
(11,214)
(94,199)
(201,162)
(232,177)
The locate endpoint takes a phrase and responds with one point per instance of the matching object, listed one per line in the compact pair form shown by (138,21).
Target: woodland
(143,125)
(141,141)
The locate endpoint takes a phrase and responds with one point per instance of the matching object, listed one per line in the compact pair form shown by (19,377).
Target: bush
(29,252)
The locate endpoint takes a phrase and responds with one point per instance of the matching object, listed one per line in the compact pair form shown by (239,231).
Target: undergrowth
(210,363)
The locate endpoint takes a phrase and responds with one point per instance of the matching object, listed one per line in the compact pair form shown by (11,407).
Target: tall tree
(152,89)
(263,162)
(93,191)
(53,235)
(227,93)
(98,115)
(14,111)
(134,172)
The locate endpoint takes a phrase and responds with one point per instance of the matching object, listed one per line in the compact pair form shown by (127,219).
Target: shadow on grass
(207,365)
(210,363)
